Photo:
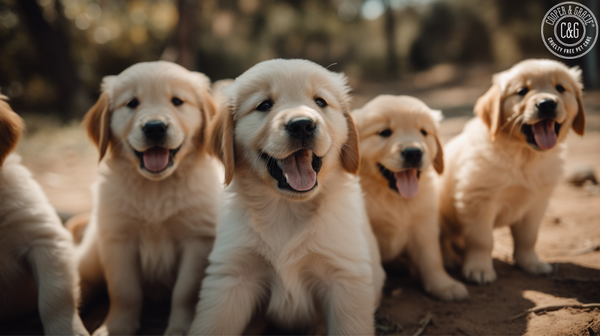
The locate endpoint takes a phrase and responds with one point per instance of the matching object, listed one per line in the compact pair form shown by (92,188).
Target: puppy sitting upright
(152,224)
(293,238)
(400,151)
(504,166)
(37,267)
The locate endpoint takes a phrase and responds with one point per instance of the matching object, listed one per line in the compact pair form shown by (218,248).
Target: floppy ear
(579,121)
(438,161)
(97,123)
(489,109)
(221,142)
(350,150)
(207,106)
(208,109)
(11,126)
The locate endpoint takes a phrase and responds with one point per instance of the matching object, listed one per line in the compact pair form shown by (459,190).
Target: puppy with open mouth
(293,238)
(503,168)
(152,224)
(401,154)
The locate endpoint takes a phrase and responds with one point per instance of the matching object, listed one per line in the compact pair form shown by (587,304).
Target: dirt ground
(64,162)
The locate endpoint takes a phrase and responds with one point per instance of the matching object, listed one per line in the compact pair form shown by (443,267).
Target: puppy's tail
(77,225)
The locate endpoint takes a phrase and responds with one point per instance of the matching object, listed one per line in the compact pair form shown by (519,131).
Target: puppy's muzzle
(157,158)
(412,157)
(543,134)
(301,128)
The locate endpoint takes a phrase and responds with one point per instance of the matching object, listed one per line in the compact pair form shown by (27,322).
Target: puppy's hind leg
(230,294)
(56,278)
(91,274)
(525,236)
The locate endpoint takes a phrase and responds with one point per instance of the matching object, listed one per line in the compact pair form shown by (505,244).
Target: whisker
(517,122)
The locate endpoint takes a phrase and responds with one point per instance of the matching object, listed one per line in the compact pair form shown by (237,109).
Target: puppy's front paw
(480,274)
(536,267)
(175,332)
(101,331)
(64,325)
(106,330)
(450,290)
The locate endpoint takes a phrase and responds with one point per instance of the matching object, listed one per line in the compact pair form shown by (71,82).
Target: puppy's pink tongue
(156,159)
(297,168)
(544,134)
(407,183)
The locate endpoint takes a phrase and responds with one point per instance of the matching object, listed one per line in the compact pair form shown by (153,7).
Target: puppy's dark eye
(385,133)
(264,106)
(424,132)
(321,102)
(523,91)
(133,103)
(560,88)
(176,101)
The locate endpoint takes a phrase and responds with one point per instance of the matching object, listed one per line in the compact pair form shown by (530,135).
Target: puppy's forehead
(537,73)
(289,79)
(400,110)
(151,78)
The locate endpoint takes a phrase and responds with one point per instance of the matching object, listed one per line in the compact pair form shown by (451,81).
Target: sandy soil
(64,162)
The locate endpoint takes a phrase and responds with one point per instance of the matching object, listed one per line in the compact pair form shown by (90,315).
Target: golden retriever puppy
(293,237)
(155,201)
(504,166)
(37,266)
(400,155)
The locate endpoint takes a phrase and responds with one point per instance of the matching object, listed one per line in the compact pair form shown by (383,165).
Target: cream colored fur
(495,178)
(37,268)
(150,233)
(292,256)
(405,225)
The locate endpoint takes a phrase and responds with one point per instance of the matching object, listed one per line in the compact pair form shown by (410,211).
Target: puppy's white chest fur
(158,216)
(517,177)
(302,245)
(395,219)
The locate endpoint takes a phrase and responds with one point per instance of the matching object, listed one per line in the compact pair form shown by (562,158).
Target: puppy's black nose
(301,128)
(547,108)
(154,130)
(412,155)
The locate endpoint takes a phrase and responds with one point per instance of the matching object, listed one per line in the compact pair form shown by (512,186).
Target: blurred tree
(450,34)
(51,42)
(182,48)
(390,37)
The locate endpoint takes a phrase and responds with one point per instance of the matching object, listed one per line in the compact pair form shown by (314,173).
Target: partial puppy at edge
(37,266)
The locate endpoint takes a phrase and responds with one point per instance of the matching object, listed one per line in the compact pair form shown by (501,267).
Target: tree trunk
(51,42)
(182,49)
(390,37)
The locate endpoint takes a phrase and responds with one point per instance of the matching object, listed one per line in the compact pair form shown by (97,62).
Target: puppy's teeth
(286,178)
(280,164)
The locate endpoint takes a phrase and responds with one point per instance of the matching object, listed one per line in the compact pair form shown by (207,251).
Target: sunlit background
(53,53)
